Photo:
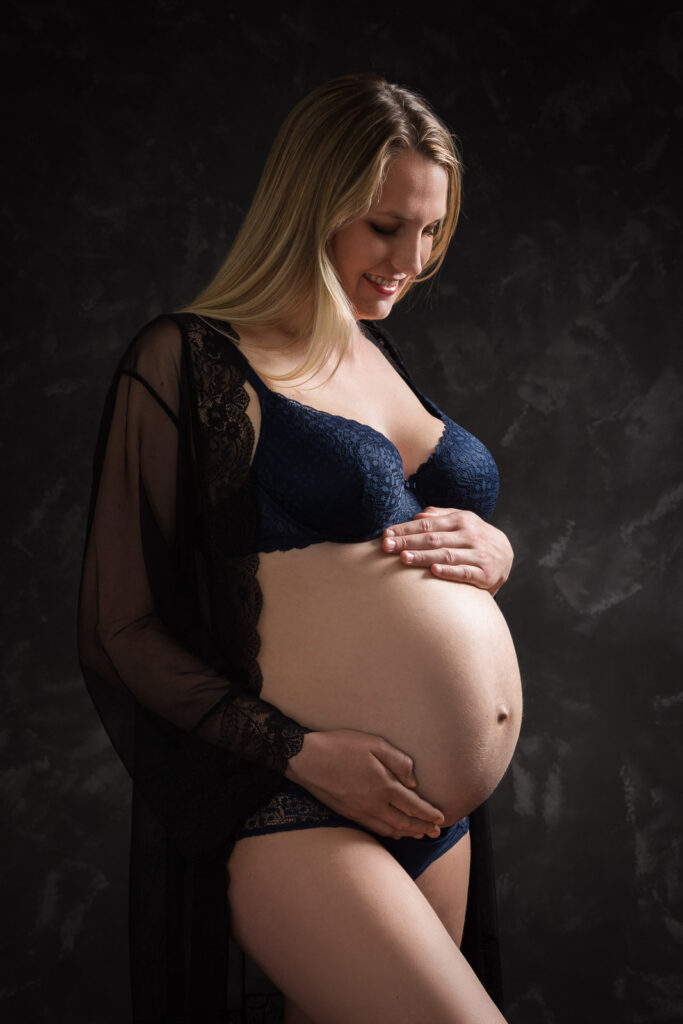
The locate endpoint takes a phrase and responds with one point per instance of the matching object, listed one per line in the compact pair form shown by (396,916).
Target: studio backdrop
(552,333)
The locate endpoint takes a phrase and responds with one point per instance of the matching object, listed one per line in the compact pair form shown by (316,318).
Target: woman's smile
(384,285)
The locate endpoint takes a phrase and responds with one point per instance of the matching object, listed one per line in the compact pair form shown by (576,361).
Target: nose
(407,256)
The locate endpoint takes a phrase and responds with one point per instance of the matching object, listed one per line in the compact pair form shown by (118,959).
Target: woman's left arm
(455,544)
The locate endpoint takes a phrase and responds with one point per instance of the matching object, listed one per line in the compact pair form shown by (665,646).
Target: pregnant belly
(352,638)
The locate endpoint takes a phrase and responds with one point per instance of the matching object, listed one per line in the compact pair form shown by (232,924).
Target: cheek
(427,246)
(338,253)
(350,255)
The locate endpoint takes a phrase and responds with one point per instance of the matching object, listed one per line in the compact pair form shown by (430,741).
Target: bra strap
(259,387)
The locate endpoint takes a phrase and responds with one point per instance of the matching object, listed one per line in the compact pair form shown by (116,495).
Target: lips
(384,285)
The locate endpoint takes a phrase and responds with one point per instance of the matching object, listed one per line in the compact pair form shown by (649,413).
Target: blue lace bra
(323,477)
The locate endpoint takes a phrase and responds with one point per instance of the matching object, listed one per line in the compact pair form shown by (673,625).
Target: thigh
(445,882)
(346,934)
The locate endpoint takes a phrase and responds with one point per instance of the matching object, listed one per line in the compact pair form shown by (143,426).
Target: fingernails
(409,556)
(389,532)
(390,544)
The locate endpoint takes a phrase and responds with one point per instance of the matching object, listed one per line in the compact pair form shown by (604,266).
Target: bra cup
(462,475)
(383,482)
(322,477)
(344,484)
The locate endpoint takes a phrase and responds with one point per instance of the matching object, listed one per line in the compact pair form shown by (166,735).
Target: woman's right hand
(364,777)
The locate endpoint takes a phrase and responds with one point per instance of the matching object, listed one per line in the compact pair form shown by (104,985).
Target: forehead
(414,187)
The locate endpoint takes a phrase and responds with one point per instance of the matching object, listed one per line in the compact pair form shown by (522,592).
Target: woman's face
(377,255)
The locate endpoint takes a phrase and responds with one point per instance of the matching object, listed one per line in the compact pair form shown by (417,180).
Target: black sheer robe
(168,643)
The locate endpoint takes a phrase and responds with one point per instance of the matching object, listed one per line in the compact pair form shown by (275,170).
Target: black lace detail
(167,636)
(325,477)
(224,441)
(292,807)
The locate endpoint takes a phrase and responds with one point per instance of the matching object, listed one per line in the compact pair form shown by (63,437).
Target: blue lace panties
(293,807)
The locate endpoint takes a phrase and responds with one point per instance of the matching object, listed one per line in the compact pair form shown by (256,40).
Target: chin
(380,311)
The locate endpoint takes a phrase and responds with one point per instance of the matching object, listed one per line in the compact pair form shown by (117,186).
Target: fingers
(431,533)
(397,825)
(413,807)
(464,564)
(451,519)
(410,812)
(461,574)
(454,544)
(383,828)
(429,541)
(396,761)
(404,825)
(432,510)
(369,780)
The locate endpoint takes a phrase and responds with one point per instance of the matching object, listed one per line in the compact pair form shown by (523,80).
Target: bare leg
(445,884)
(346,934)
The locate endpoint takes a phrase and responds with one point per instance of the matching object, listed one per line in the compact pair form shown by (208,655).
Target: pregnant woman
(289,580)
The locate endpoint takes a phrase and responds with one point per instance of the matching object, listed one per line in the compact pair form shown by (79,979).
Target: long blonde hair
(326,166)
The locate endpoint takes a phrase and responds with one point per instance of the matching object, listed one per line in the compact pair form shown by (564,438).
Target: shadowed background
(553,334)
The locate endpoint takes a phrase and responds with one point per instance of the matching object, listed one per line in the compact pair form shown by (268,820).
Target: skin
(365,968)
(454,544)
(394,241)
(286,888)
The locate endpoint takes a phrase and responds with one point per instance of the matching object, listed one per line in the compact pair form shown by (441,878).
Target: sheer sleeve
(141,626)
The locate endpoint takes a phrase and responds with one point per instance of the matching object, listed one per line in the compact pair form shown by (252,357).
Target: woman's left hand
(455,544)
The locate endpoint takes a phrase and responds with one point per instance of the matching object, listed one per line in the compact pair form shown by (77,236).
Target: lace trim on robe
(224,433)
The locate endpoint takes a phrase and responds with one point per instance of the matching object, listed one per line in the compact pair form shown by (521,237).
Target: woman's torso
(350,636)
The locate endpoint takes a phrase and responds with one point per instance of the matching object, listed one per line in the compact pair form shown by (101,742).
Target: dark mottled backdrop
(553,334)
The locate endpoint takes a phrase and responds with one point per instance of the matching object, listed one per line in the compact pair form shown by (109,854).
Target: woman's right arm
(141,627)
(141,630)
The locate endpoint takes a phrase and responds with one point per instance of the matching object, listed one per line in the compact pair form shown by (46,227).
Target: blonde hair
(325,168)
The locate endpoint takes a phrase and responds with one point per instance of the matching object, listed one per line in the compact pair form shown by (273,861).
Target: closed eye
(430,231)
